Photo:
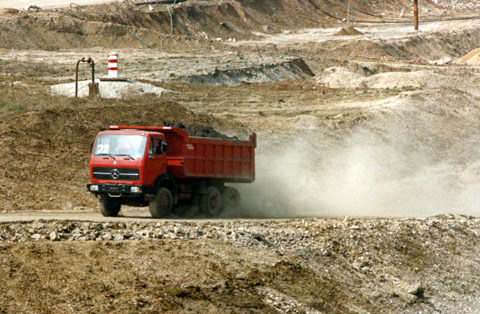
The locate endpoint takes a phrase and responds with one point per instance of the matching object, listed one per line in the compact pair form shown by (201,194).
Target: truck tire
(161,205)
(109,207)
(230,198)
(211,202)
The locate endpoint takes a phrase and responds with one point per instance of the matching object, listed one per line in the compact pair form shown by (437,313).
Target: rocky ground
(273,266)
(367,162)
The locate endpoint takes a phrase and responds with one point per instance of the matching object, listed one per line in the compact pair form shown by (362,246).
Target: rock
(418,291)
(118,237)
(54,236)
(107,236)
(85,226)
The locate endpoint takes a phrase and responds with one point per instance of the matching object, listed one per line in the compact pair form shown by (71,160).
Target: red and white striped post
(113,65)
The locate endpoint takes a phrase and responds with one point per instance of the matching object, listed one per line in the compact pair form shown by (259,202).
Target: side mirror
(164,147)
(91,146)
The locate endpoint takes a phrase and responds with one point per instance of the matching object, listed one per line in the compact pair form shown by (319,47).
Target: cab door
(156,163)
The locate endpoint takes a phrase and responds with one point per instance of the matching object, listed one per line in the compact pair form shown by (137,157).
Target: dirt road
(85,215)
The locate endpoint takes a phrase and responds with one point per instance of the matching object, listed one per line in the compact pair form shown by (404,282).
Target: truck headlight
(135,189)
(93,187)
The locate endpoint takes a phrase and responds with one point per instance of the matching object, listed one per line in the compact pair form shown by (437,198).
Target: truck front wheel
(161,205)
(211,202)
(109,207)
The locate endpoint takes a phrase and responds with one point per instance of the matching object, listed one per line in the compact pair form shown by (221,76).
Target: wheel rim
(213,202)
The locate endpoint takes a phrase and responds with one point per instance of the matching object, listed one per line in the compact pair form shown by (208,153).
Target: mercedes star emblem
(115,174)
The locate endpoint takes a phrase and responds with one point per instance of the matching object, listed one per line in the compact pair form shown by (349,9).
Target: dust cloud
(366,175)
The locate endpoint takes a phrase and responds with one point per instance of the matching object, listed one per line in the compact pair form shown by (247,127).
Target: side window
(150,148)
(158,147)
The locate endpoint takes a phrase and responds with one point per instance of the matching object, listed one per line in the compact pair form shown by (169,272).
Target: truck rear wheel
(211,202)
(109,207)
(230,198)
(161,205)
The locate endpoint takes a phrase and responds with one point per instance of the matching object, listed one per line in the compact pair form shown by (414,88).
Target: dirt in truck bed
(367,160)
(199,130)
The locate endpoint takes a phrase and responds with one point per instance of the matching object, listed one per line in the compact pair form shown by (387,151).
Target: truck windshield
(112,145)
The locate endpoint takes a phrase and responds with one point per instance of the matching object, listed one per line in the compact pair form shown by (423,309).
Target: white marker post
(113,65)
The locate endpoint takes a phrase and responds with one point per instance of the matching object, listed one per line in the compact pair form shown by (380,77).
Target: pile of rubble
(278,235)
(245,235)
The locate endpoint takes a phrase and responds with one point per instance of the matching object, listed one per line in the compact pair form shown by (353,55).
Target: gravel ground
(374,266)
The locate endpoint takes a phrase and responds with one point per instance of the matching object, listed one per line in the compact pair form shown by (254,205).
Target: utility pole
(348,12)
(415,14)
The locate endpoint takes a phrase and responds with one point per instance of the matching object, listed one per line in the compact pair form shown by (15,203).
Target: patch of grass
(19,107)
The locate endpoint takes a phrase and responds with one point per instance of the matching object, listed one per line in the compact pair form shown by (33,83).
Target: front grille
(129,174)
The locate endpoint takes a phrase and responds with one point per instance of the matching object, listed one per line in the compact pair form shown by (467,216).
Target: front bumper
(119,189)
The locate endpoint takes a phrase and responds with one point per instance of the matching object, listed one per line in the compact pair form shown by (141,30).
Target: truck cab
(124,165)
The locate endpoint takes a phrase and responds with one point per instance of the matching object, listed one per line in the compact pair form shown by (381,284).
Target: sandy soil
(366,195)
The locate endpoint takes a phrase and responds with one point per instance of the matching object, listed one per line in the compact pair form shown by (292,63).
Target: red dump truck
(162,167)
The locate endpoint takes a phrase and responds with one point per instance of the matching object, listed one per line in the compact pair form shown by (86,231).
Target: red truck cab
(162,167)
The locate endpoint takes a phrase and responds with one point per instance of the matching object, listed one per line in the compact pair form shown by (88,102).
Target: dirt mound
(411,49)
(339,77)
(47,151)
(8,11)
(473,57)
(348,31)
(290,70)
